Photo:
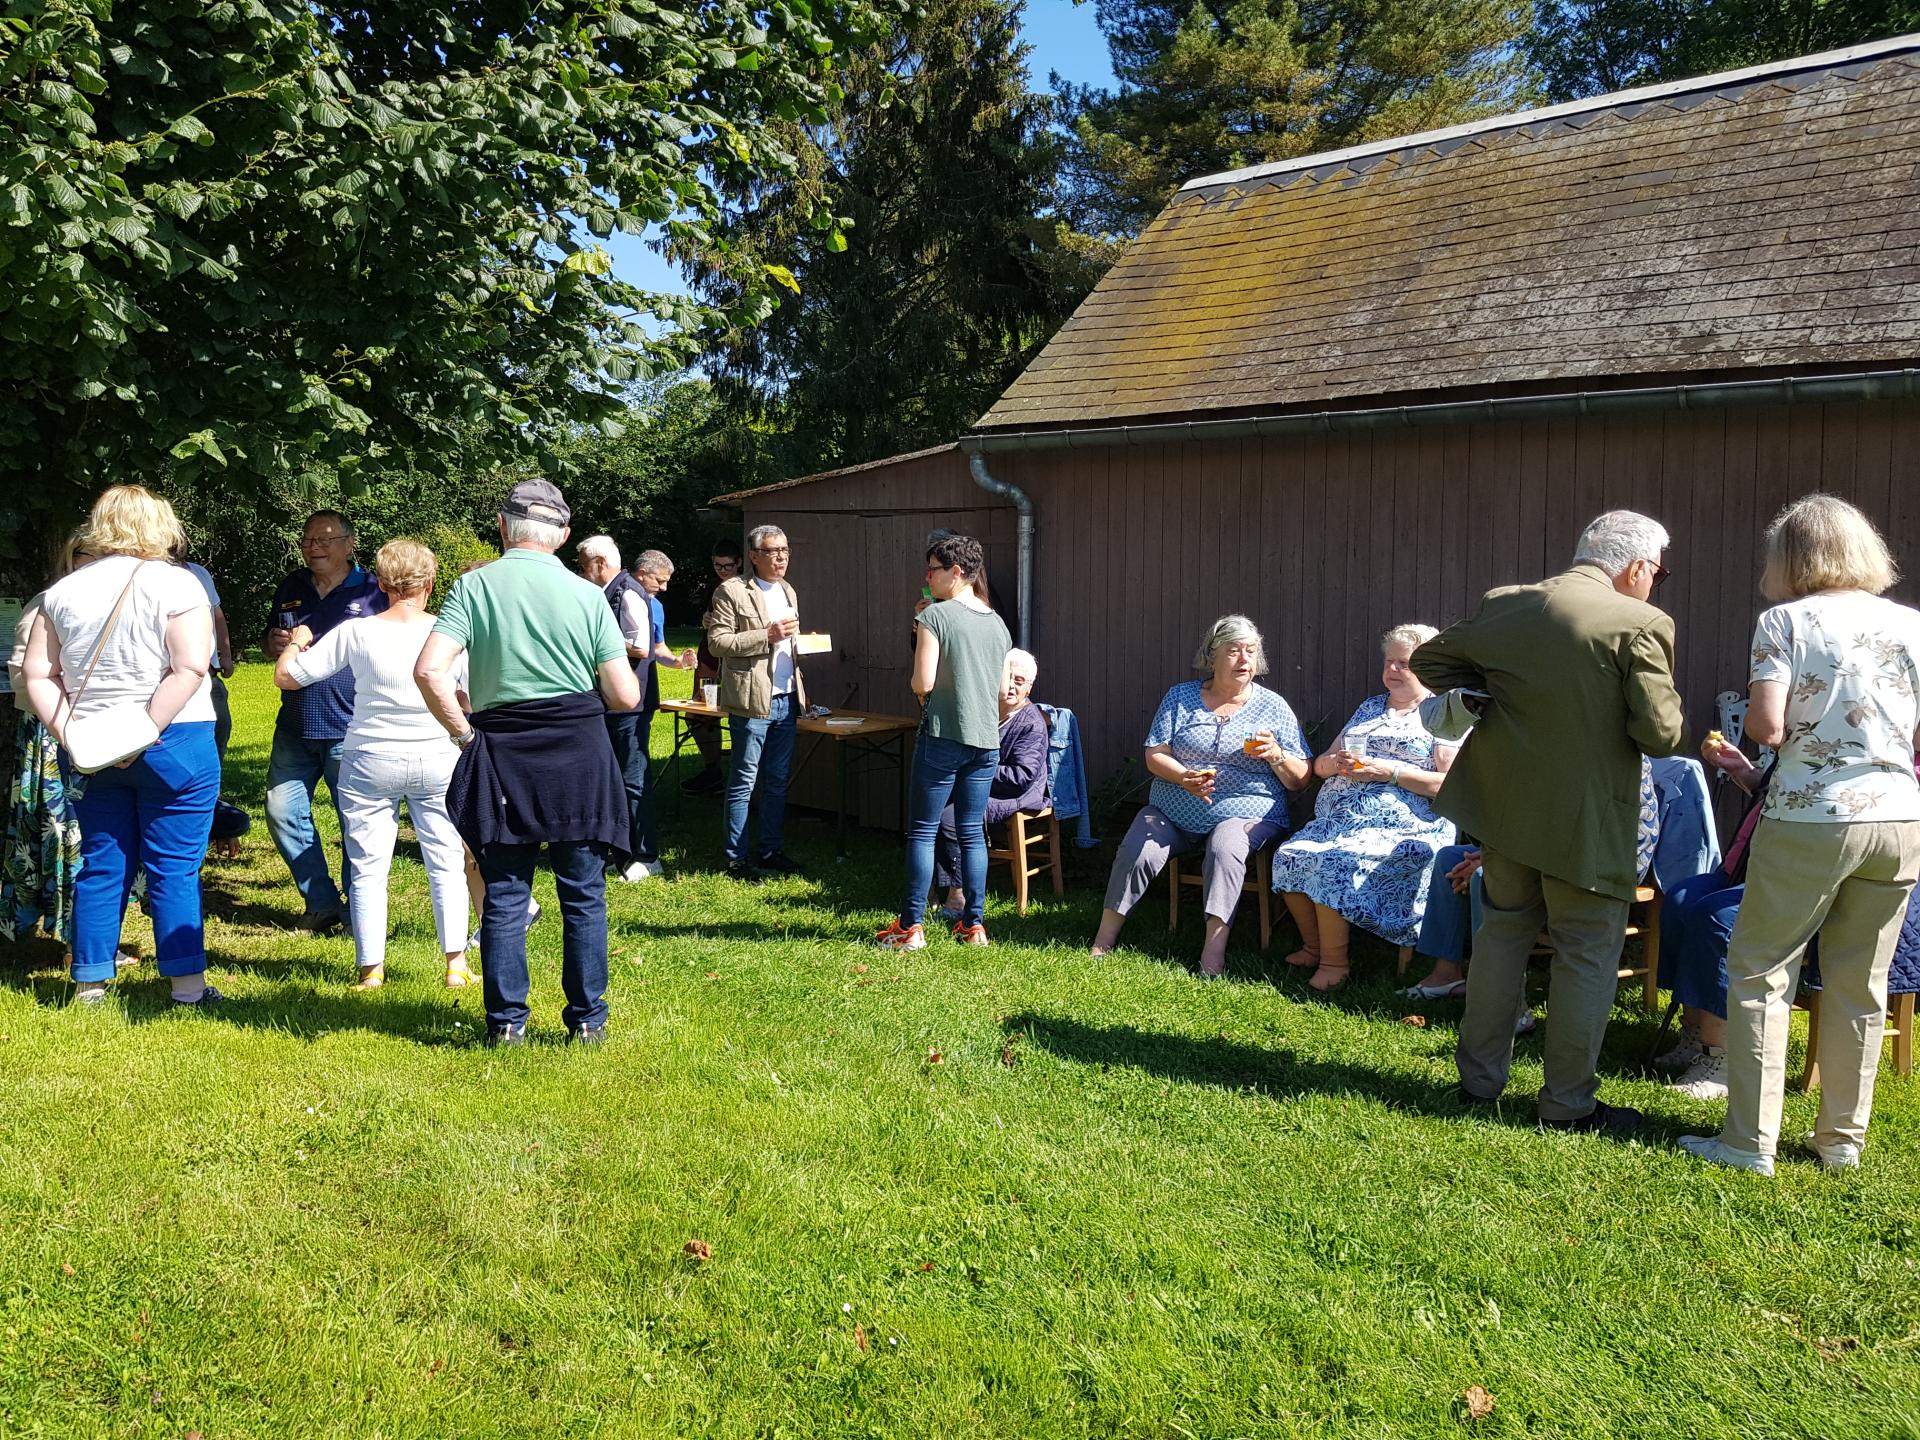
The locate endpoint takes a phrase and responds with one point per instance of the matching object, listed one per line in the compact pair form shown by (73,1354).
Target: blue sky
(1064,38)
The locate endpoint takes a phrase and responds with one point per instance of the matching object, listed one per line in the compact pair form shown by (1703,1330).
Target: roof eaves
(1850,63)
(736,496)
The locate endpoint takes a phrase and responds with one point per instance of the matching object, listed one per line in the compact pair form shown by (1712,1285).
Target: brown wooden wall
(1327,540)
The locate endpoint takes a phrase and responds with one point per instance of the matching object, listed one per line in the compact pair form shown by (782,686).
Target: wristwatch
(464,738)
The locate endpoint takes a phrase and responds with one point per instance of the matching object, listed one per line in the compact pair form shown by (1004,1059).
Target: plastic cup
(710,693)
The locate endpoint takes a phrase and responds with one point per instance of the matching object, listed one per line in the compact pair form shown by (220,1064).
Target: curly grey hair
(1618,538)
(1225,631)
(1413,636)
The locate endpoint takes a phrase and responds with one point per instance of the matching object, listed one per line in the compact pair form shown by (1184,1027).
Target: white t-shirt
(1851,665)
(389,712)
(636,621)
(774,594)
(134,660)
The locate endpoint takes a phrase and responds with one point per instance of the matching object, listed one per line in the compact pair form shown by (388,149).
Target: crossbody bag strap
(106,631)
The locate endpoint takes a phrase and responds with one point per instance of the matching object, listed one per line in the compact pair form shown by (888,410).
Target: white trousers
(372,785)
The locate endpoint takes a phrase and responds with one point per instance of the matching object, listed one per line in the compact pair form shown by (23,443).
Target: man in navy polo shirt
(331,589)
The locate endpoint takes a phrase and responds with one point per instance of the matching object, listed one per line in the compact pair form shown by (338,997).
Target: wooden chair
(1899,1030)
(1022,848)
(1643,923)
(1259,882)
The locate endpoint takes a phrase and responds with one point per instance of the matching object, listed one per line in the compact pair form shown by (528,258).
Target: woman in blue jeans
(960,654)
(130,632)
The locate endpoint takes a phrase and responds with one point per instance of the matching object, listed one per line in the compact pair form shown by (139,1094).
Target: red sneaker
(894,937)
(969,934)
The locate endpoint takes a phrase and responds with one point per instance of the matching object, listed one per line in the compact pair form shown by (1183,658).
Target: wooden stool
(1899,1030)
(1258,881)
(1021,848)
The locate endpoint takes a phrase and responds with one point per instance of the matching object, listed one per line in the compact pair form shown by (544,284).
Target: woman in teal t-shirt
(960,651)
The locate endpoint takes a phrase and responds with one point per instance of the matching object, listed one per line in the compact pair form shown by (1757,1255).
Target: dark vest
(616,590)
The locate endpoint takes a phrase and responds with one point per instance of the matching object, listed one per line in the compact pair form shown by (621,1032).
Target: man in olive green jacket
(1578,671)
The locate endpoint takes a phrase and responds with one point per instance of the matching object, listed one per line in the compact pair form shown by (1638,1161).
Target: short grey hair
(1414,635)
(654,562)
(1618,538)
(1226,631)
(522,531)
(763,532)
(600,546)
(1024,659)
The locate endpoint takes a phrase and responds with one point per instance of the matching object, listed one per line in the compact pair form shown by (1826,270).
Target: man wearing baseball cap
(545,664)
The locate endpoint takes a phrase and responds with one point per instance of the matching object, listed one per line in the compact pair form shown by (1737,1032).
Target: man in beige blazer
(1578,674)
(750,630)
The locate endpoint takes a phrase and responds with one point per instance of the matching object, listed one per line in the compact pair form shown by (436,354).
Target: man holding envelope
(751,630)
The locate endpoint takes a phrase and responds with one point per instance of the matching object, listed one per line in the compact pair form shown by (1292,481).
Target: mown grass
(1001,1192)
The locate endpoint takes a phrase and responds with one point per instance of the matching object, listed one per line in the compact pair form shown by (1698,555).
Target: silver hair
(1618,538)
(522,531)
(763,532)
(1024,659)
(654,562)
(1413,635)
(601,546)
(1225,631)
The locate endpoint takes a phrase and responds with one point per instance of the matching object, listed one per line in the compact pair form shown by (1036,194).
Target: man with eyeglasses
(751,631)
(1572,679)
(329,591)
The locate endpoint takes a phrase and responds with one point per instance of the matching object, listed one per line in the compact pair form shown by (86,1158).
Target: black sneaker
(588,1035)
(207,998)
(710,781)
(743,872)
(1472,1101)
(499,1037)
(780,863)
(320,922)
(1603,1119)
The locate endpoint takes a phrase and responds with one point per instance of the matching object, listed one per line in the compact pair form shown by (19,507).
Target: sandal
(1450,991)
(372,977)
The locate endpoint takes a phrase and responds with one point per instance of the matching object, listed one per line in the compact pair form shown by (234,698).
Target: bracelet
(1394,778)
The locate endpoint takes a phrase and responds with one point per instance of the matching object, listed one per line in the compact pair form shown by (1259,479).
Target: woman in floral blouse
(1836,689)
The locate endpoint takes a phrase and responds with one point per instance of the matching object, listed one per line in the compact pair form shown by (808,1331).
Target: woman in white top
(394,750)
(132,631)
(1836,689)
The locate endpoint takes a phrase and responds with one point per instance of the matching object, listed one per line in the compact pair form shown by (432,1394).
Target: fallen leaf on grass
(1478,1401)
(859,969)
(698,1249)
(66,1269)
(859,1337)
(1419,1022)
(934,1057)
(1007,1057)
(713,974)
(926,1266)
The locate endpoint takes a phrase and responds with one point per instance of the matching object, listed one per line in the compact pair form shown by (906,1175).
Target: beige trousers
(1847,883)
(1587,931)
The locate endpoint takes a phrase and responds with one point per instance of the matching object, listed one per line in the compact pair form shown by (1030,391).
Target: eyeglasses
(1660,574)
(771,551)
(310,542)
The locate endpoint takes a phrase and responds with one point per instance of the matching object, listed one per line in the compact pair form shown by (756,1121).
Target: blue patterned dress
(1369,851)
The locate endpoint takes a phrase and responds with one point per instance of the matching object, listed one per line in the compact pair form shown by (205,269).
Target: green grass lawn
(1003,1192)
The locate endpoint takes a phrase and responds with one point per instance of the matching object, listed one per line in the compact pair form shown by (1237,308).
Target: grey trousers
(1587,931)
(1153,840)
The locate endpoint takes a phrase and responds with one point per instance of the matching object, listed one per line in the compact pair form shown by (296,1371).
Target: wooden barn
(1361,388)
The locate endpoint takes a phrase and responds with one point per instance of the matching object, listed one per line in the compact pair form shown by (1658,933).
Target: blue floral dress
(1369,851)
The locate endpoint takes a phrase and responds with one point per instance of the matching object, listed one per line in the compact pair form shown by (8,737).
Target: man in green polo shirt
(545,665)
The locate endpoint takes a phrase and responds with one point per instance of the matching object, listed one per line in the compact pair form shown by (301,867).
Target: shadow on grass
(1231,1065)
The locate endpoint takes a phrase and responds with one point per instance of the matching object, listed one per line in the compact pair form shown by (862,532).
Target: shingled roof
(1760,219)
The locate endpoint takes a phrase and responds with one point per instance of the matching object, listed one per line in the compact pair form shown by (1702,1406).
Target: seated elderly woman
(1223,753)
(1019,781)
(1367,857)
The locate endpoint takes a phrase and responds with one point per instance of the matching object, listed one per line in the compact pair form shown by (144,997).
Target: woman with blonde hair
(1836,690)
(394,750)
(130,635)
(1224,753)
(1368,856)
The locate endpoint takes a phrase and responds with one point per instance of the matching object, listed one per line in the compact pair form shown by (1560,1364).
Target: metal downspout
(977,466)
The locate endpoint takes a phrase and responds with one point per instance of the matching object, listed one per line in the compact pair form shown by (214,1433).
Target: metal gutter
(1903,383)
(977,467)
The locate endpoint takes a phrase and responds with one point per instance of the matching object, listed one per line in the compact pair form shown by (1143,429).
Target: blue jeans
(295,769)
(631,732)
(762,753)
(579,874)
(156,813)
(1696,923)
(943,770)
(1450,920)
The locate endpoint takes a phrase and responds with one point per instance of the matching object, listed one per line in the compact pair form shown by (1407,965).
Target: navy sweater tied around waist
(539,770)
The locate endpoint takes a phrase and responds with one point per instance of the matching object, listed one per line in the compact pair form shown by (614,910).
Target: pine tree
(1228,83)
(936,166)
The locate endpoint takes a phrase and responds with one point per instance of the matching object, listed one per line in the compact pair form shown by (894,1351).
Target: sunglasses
(1660,575)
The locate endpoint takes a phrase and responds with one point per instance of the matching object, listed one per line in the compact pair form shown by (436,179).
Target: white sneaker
(1845,1155)
(642,870)
(1526,1024)
(1715,1151)
(1682,1055)
(1706,1077)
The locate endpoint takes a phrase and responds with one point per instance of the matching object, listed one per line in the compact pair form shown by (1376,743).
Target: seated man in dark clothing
(1020,781)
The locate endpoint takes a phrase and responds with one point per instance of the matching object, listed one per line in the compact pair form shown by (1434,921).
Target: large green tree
(1588,47)
(950,274)
(1211,85)
(243,238)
